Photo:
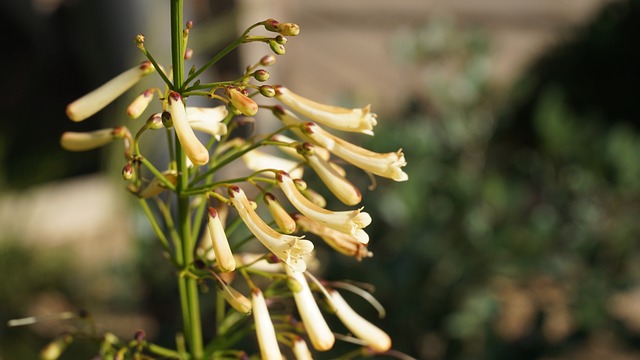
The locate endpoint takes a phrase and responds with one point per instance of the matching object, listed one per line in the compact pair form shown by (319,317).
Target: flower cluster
(196,159)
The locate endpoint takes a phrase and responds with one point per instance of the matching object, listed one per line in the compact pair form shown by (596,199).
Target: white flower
(344,243)
(287,248)
(349,221)
(284,221)
(265,331)
(193,148)
(96,100)
(354,120)
(139,104)
(224,256)
(208,120)
(375,338)
(314,324)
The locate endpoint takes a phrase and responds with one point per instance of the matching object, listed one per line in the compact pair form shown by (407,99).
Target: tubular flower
(349,221)
(287,248)
(155,187)
(315,326)
(208,120)
(234,298)
(284,221)
(82,141)
(197,153)
(301,350)
(339,118)
(224,256)
(322,152)
(96,100)
(242,102)
(375,338)
(387,165)
(257,160)
(265,331)
(346,244)
(342,188)
(139,104)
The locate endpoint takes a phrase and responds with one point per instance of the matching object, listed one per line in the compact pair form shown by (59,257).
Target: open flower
(387,165)
(314,324)
(344,243)
(375,338)
(224,256)
(345,221)
(193,148)
(287,248)
(265,331)
(339,118)
(96,100)
(208,120)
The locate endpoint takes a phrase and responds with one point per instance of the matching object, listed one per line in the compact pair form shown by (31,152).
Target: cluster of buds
(304,212)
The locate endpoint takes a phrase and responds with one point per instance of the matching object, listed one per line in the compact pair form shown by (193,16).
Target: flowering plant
(177,198)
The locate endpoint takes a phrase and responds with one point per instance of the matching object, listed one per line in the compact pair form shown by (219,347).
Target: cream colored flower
(314,324)
(83,141)
(339,118)
(345,221)
(287,248)
(375,338)
(344,243)
(257,160)
(387,165)
(301,350)
(155,186)
(234,298)
(265,331)
(208,120)
(139,104)
(96,100)
(284,221)
(224,256)
(193,148)
(242,102)
(342,188)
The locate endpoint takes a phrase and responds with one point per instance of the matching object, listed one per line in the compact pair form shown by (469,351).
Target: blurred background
(516,236)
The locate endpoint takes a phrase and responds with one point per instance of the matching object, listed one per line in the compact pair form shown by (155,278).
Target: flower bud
(155,187)
(267,91)
(261,75)
(301,350)
(265,330)
(139,40)
(193,148)
(285,223)
(268,60)
(167,121)
(139,104)
(242,102)
(83,141)
(154,122)
(188,54)
(54,349)
(234,298)
(127,172)
(224,256)
(277,48)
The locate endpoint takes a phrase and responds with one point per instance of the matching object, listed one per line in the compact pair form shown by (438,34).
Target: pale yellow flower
(97,99)
(344,243)
(339,118)
(287,248)
(234,298)
(155,186)
(301,350)
(322,339)
(265,331)
(348,221)
(208,120)
(139,104)
(387,165)
(224,256)
(284,221)
(83,141)
(242,102)
(193,148)
(375,338)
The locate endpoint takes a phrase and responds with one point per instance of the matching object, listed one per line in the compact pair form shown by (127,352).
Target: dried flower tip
(375,338)
(265,331)
(257,160)
(127,171)
(346,244)
(224,256)
(284,221)
(155,186)
(322,339)
(54,349)
(139,104)
(301,350)
(342,188)
(345,221)
(268,60)
(208,120)
(261,75)
(83,141)
(277,48)
(267,91)
(288,248)
(353,120)
(234,298)
(193,148)
(243,103)
(96,100)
